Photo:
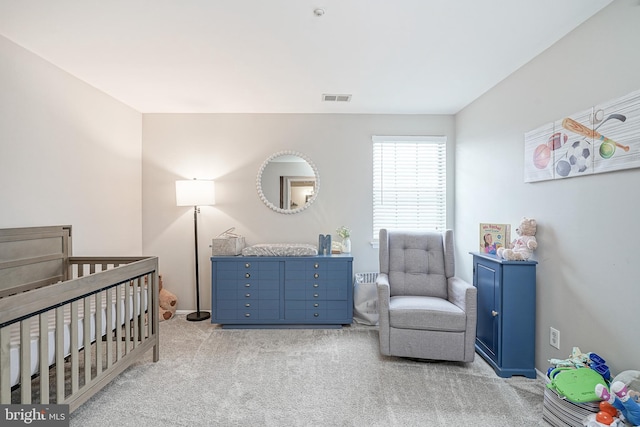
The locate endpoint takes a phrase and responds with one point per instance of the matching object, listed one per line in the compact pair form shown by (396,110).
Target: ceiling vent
(335,98)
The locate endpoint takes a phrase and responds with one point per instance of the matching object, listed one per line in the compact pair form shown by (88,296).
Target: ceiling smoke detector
(335,98)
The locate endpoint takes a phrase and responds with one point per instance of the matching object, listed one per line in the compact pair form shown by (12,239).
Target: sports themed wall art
(603,138)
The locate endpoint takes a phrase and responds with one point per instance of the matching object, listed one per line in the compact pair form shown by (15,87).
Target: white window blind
(409,182)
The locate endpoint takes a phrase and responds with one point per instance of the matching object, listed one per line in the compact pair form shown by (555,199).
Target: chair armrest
(462,294)
(384,294)
(465,296)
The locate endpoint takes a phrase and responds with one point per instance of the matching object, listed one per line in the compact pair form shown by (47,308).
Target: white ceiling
(277,56)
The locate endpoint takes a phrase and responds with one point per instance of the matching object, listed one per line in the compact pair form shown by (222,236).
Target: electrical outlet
(554,338)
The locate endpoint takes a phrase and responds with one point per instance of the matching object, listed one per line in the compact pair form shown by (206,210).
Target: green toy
(577,385)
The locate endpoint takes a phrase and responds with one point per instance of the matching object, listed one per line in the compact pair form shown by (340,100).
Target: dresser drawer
(316,290)
(242,293)
(246,316)
(316,310)
(248,305)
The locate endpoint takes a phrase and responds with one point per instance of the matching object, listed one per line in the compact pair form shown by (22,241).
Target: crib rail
(127,288)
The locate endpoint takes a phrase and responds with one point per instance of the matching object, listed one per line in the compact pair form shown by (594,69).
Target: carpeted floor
(208,376)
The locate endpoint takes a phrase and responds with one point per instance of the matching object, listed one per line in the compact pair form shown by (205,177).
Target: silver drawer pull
(247,295)
(494,313)
(316,265)
(247,285)
(315,315)
(316,275)
(247,275)
(247,265)
(315,285)
(316,305)
(247,315)
(247,304)
(316,295)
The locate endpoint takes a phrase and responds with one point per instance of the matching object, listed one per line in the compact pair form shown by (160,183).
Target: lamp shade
(195,192)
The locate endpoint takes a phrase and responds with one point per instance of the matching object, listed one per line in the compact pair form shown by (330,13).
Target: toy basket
(365,298)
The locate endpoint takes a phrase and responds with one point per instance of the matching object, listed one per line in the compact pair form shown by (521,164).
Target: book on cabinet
(494,236)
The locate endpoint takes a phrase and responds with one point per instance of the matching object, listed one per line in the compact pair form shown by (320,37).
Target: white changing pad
(280,249)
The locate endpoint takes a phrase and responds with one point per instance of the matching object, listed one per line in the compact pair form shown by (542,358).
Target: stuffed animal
(620,398)
(522,247)
(168,302)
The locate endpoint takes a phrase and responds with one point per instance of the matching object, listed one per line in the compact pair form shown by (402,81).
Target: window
(409,182)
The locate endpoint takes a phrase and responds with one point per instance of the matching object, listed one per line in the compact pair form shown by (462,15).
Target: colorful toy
(575,384)
(620,399)
(522,247)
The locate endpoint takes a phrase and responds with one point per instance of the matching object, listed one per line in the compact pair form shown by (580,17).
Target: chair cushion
(417,264)
(425,313)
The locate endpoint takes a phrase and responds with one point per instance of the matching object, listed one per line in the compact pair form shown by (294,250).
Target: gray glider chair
(425,311)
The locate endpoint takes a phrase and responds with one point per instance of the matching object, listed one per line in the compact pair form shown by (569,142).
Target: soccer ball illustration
(579,156)
(577,159)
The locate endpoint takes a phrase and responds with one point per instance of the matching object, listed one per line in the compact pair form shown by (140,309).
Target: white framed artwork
(603,138)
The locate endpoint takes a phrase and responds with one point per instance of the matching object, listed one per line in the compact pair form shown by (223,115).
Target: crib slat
(109,340)
(44,357)
(60,369)
(136,315)
(147,290)
(127,316)
(142,324)
(119,322)
(153,307)
(87,339)
(98,303)
(25,361)
(5,366)
(74,347)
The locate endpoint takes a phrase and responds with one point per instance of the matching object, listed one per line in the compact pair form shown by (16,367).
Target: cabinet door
(487,279)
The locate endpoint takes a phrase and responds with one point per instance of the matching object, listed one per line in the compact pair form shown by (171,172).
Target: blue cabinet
(505,334)
(270,292)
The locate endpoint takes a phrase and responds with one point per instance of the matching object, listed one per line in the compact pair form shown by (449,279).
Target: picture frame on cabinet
(494,236)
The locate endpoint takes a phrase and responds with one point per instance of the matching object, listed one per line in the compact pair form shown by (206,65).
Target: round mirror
(288,182)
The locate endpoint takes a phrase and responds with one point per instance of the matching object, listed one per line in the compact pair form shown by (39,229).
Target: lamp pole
(198,315)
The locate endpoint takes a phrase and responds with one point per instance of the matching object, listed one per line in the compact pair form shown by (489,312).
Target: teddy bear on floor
(522,247)
(168,302)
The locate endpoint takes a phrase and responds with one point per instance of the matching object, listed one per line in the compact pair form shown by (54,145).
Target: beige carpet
(208,376)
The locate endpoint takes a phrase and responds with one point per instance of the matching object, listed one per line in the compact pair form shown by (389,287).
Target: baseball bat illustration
(580,129)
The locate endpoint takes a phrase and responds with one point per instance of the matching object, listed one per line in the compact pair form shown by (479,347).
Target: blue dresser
(282,292)
(505,334)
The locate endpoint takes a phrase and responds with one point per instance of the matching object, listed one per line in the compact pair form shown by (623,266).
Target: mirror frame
(268,202)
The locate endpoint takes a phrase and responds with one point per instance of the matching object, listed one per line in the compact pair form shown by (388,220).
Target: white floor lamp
(196,192)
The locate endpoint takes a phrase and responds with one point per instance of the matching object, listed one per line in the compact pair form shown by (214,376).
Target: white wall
(230,148)
(69,154)
(587,277)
